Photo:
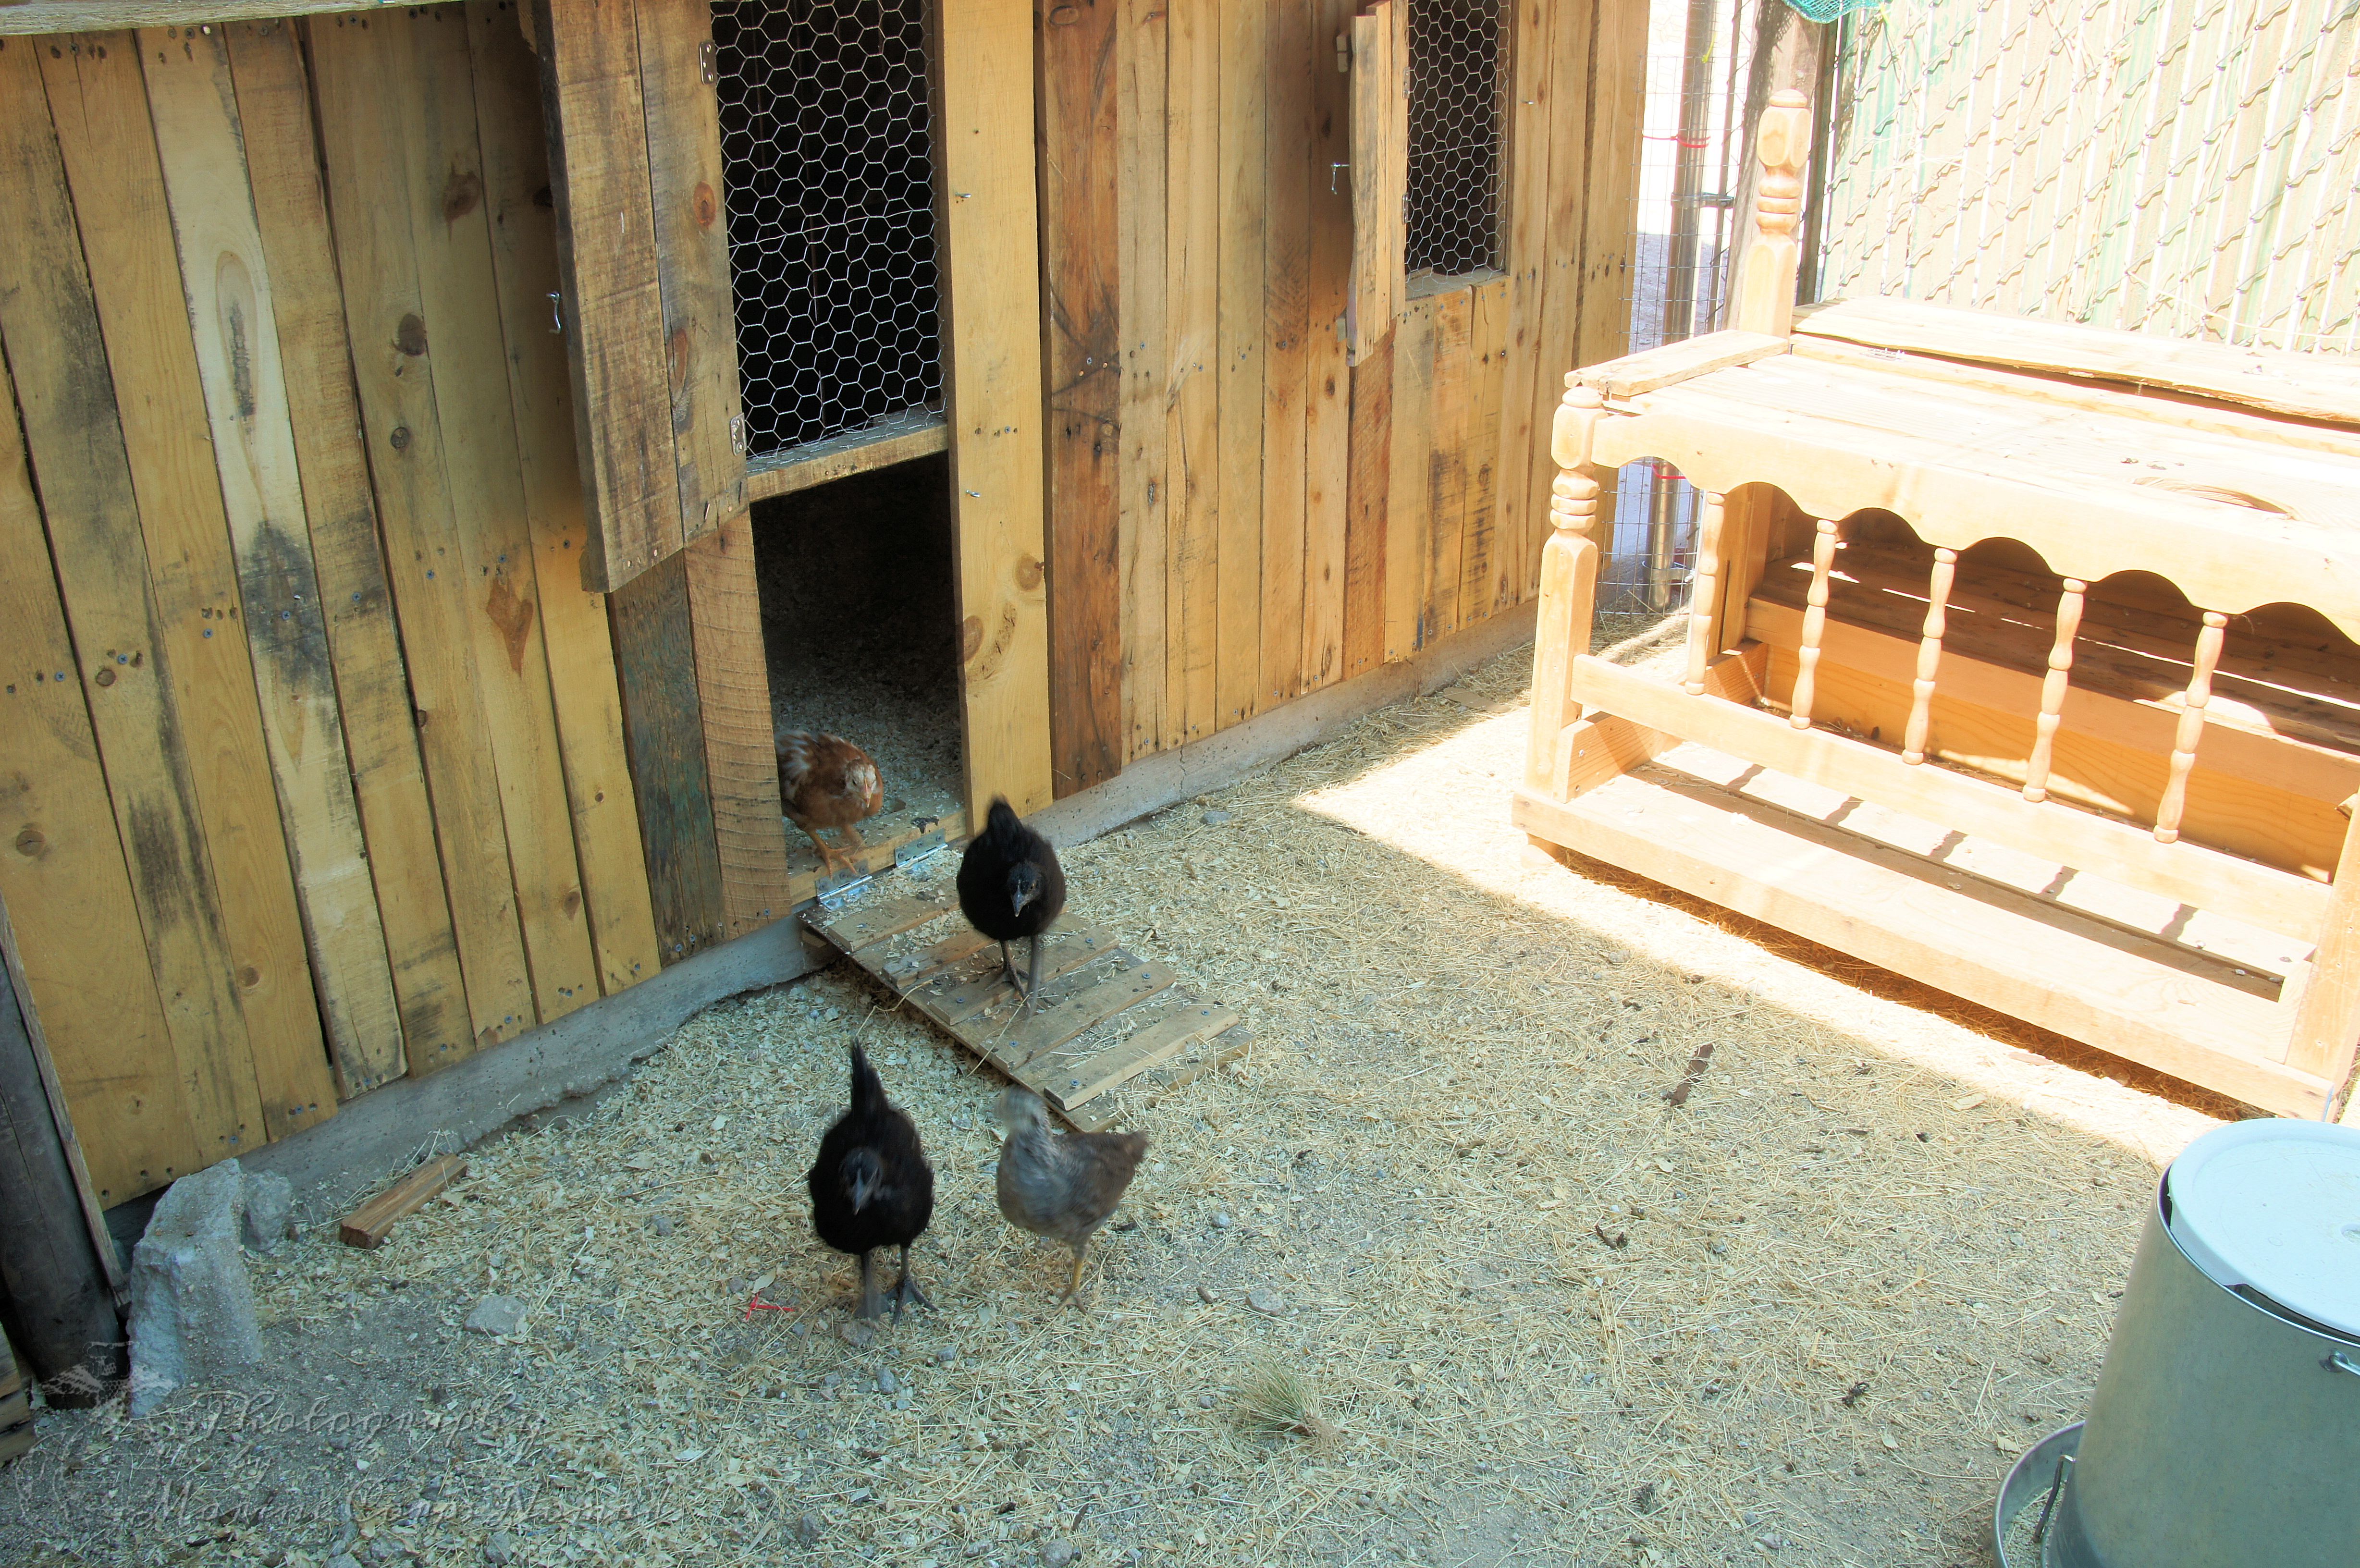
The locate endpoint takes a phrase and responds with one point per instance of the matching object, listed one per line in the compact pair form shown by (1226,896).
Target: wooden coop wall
(313,772)
(1236,516)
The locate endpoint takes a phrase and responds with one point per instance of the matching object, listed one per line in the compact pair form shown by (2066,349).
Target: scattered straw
(1276,1400)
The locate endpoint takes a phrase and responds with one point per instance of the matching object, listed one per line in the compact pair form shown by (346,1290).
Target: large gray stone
(496,1315)
(192,1307)
(270,1210)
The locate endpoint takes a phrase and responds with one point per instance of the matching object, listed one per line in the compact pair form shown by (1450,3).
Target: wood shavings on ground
(1871,1257)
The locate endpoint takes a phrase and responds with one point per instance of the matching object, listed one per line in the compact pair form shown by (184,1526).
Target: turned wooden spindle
(1763,300)
(2191,726)
(1815,624)
(1568,582)
(2052,689)
(1930,655)
(1704,592)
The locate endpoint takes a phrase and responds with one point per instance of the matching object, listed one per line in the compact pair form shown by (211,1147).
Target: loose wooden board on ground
(369,1225)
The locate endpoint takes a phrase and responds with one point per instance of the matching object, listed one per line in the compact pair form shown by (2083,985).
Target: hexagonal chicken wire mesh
(828,164)
(1456,59)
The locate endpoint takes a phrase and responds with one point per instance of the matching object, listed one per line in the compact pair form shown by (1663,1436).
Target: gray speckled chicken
(1061,1186)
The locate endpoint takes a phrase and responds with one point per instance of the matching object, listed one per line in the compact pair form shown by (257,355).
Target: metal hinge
(738,434)
(708,62)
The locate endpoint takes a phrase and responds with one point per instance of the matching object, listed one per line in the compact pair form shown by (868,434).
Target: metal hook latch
(1331,177)
(556,315)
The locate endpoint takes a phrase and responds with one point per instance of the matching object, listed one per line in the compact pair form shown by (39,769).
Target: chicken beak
(1022,896)
(862,1191)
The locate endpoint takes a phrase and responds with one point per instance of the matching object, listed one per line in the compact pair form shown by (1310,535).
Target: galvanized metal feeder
(2224,1432)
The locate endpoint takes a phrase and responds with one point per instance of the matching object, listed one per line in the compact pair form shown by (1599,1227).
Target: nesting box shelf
(2017,662)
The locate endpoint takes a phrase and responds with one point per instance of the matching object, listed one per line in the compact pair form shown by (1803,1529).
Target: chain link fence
(829,166)
(2180,167)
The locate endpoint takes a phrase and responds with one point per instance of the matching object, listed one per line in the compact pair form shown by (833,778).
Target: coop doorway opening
(861,634)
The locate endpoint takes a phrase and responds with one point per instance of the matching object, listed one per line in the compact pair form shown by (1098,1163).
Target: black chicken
(1062,1188)
(871,1186)
(1009,885)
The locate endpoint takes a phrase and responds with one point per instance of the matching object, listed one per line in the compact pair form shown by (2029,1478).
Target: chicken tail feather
(868,1088)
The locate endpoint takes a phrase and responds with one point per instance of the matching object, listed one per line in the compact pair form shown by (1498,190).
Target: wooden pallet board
(1111,1032)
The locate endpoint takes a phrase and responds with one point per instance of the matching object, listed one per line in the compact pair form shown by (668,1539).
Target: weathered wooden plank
(883,442)
(1128,980)
(450,238)
(914,965)
(1610,223)
(1142,537)
(992,343)
(684,131)
(64,874)
(270,1031)
(1082,351)
(879,914)
(655,662)
(1409,503)
(1674,363)
(227,282)
(1164,1028)
(367,92)
(613,302)
(980,986)
(1197,1060)
(380,732)
(1482,579)
(1369,490)
(1572,26)
(1328,380)
(1243,44)
(82,16)
(1380,165)
(579,648)
(367,1226)
(1193,389)
(1286,359)
(741,752)
(1450,427)
(1524,239)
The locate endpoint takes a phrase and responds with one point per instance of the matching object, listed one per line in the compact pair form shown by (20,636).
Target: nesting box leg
(2191,726)
(1704,595)
(1930,655)
(2052,689)
(1568,583)
(1815,626)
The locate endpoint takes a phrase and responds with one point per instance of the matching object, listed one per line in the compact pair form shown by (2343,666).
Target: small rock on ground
(886,1383)
(1262,1298)
(809,1527)
(500,1548)
(1215,818)
(496,1315)
(1058,1554)
(270,1210)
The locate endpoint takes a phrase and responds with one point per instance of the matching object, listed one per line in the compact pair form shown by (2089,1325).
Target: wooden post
(2327,1017)
(1930,655)
(57,1288)
(1704,594)
(1765,295)
(2192,727)
(2052,689)
(1815,624)
(1568,579)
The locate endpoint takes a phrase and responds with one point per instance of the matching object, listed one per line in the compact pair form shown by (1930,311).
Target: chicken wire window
(1455,58)
(828,164)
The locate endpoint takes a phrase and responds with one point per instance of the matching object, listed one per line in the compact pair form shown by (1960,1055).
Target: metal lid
(2275,1206)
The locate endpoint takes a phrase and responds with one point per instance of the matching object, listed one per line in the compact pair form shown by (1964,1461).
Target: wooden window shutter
(1380,68)
(643,262)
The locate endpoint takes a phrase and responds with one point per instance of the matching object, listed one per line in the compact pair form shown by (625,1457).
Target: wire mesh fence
(829,166)
(2183,167)
(1455,115)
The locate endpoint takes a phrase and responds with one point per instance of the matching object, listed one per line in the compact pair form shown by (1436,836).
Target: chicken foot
(831,858)
(1074,1287)
(906,1292)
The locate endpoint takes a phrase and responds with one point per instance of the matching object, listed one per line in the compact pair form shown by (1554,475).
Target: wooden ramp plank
(1084,1041)
(1131,980)
(1207,1055)
(1080,1071)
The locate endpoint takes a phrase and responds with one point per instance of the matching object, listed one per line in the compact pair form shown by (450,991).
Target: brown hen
(826,781)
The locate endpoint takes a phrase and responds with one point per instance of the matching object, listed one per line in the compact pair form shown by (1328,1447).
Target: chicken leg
(906,1290)
(871,1304)
(1074,1287)
(1032,988)
(832,859)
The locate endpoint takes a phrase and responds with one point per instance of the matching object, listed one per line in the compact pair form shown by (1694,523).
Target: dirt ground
(1808,1318)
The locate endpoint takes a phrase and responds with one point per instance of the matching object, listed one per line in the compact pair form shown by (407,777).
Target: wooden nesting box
(2020,661)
